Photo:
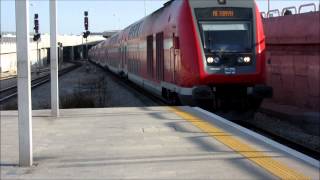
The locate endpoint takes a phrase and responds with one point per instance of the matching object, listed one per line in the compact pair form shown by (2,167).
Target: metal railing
(271,13)
(284,10)
(290,10)
(308,5)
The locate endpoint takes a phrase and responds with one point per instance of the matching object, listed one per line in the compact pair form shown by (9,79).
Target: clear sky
(103,14)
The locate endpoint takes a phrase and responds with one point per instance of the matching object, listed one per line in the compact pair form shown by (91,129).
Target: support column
(54,59)
(24,83)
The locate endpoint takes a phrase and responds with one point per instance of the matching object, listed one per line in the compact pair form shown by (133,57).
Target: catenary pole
(54,59)
(24,83)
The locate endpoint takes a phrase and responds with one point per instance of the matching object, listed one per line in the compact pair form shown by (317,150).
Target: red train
(195,52)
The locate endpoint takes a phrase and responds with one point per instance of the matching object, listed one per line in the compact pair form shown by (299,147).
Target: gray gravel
(106,92)
(287,131)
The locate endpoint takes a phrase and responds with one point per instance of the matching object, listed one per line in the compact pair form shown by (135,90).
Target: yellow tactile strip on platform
(266,162)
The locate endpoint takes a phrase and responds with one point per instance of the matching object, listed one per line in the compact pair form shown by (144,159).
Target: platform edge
(268,141)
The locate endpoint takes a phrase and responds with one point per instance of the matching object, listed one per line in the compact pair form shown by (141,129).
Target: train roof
(133,30)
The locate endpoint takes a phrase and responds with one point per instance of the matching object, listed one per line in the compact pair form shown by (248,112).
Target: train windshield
(226,37)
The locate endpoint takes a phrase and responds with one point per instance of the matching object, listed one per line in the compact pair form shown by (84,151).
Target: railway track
(133,88)
(10,92)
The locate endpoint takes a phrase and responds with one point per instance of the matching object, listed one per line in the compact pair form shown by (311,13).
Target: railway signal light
(37,35)
(86,25)
(36,23)
(86,34)
(86,21)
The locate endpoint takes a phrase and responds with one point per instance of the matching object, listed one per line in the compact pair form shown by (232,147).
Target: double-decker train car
(196,52)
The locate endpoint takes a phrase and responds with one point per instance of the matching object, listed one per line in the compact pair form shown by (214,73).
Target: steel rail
(12,91)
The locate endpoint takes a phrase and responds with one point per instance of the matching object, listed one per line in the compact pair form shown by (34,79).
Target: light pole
(82,47)
(87,49)
(86,33)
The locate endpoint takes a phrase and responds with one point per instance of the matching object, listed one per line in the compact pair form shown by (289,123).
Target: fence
(304,8)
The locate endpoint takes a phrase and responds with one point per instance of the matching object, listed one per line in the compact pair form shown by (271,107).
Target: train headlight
(240,60)
(210,60)
(216,60)
(247,59)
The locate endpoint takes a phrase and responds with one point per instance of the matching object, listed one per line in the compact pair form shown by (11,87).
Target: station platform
(147,143)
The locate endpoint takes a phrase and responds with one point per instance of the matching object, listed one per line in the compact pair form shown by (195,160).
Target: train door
(150,56)
(159,57)
(125,56)
(177,61)
(174,57)
(121,57)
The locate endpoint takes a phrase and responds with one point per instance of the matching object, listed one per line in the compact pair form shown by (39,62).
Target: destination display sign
(218,13)
(223,13)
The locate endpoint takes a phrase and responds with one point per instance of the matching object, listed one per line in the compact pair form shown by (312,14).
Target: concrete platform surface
(143,143)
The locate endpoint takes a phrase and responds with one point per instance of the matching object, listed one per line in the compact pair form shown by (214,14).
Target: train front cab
(231,52)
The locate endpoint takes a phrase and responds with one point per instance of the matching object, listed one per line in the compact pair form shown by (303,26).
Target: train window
(228,36)
(134,30)
(225,27)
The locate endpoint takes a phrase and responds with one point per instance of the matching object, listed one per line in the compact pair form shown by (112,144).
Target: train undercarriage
(232,97)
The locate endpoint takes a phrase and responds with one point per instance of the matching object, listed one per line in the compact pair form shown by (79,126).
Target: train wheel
(255,103)
(174,99)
